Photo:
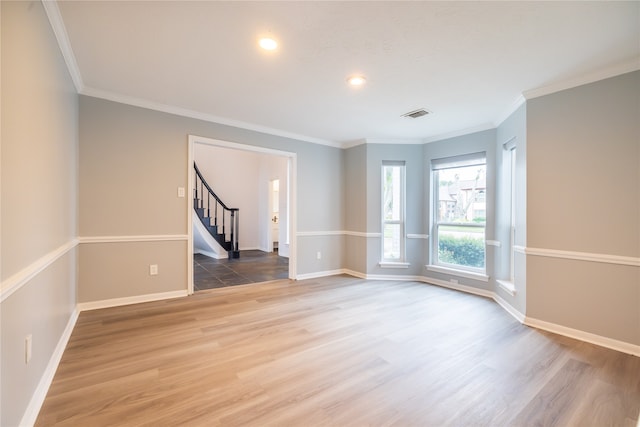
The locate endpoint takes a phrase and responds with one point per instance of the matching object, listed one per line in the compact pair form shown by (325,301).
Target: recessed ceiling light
(267,43)
(356,80)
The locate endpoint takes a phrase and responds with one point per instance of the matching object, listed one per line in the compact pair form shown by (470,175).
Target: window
(460,212)
(512,219)
(393,188)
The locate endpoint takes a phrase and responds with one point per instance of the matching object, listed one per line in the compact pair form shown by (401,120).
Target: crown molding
(192,114)
(395,141)
(60,31)
(583,79)
(57,24)
(509,111)
(353,143)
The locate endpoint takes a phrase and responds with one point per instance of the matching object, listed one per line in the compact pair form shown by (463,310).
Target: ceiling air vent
(416,113)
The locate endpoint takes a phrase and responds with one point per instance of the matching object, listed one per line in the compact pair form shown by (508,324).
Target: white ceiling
(467,62)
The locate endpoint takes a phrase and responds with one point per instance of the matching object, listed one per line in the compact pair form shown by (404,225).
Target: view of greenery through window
(392,215)
(461,216)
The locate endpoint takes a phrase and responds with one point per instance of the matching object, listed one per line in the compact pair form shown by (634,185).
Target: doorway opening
(260,182)
(274,213)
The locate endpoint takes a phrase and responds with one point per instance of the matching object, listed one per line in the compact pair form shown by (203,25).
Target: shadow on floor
(252,267)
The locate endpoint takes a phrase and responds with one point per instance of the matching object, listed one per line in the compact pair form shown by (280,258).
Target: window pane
(459,245)
(391,242)
(391,193)
(462,195)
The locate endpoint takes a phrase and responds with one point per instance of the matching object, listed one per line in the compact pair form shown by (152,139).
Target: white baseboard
(37,399)
(621,346)
(509,308)
(211,254)
(458,287)
(318,274)
(116,302)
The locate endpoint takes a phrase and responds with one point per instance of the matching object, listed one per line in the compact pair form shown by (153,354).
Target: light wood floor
(335,351)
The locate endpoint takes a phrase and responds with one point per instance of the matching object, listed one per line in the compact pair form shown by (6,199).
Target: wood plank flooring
(336,351)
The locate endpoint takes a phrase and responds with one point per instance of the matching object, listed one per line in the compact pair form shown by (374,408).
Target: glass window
(393,211)
(512,219)
(460,212)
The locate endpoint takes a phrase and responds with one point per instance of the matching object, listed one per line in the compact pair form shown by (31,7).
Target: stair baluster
(231,245)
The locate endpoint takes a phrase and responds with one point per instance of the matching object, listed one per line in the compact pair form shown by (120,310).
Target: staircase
(221,221)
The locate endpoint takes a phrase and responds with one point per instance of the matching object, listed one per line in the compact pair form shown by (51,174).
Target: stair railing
(204,197)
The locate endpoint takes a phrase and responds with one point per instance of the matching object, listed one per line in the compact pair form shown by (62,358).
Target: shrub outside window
(460,212)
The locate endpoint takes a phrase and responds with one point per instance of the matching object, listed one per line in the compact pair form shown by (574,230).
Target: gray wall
(355,204)
(411,154)
(515,126)
(39,199)
(466,144)
(583,195)
(131,162)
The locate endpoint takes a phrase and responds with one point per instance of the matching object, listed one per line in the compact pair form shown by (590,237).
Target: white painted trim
(519,249)
(509,111)
(612,71)
(60,31)
(22,277)
(362,234)
(141,238)
(423,279)
(210,255)
(457,287)
(354,273)
(395,141)
(495,243)
(319,233)
(117,302)
(509,308)
(337,233)
(190,212)
(387,264)
(196,139)
(318,274)
(583,256)
(460,273)
(293,189)
(535,323)
(507,286)
(418,236)
(622,346)
(396,277)
(353,143)
(184,112)
(37,399)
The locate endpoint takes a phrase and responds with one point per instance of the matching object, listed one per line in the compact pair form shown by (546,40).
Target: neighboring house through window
(459,212)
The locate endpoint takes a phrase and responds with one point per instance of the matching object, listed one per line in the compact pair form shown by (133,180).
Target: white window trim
(507,286)
(459,270)
(401,221)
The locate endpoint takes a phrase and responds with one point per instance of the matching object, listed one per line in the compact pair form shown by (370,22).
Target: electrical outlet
(319,255)
(28,340)
(180,191)
(153,269)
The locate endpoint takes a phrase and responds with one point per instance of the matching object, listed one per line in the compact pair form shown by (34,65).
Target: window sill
(461,273)
(388,264)
(508,287)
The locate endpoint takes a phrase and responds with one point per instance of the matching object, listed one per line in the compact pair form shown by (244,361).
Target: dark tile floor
(252,267)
